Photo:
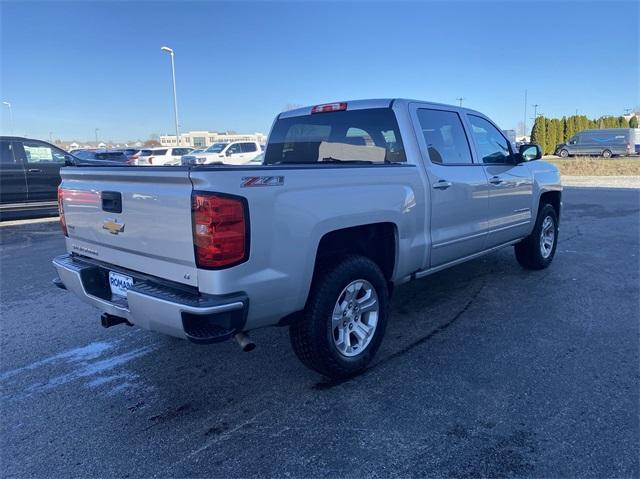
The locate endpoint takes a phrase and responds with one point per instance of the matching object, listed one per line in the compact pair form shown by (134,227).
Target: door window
(249,147)
(41,153)
(233,149)
(444,135)
(181,151)
(492,145)
(6,153)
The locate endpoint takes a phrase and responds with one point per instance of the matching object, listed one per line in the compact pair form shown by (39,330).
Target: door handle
(34,170)
(496,180)
(441,185)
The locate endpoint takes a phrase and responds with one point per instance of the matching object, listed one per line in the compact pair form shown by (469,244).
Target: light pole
(10,115)
(535,110)
(524,127)
(460,100)
(175,96)
(96,132)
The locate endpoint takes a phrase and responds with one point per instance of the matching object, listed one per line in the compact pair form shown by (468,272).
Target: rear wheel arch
(376,241)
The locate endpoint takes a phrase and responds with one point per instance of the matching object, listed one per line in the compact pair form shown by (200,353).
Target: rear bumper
(154,305)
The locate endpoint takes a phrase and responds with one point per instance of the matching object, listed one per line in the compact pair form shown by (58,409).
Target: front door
(458,186)
(510,184)
(43,163)
(13,180)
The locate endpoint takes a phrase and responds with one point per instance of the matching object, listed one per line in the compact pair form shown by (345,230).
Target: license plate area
(119,284)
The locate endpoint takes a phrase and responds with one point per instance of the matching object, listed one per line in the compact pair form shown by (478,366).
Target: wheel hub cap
(547,237)
(355,317)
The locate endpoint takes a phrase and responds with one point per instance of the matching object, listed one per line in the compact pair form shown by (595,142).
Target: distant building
(200,139)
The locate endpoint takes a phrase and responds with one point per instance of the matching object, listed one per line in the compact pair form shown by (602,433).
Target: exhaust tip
(245,342)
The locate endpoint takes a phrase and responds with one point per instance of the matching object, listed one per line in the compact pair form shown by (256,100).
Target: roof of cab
(375,103)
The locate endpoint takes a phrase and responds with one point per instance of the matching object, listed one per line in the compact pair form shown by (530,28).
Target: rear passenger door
(458,186)
(43,163)
(13,180)
(510,184)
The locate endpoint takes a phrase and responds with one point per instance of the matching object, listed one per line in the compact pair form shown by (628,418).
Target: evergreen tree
(633,122)
(563,129)
(622,122)
(538,132)
(550,137)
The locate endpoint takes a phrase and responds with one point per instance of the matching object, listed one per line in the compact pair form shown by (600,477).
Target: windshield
(357,136)
(216,148)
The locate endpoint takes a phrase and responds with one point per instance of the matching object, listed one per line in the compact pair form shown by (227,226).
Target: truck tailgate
(149,231)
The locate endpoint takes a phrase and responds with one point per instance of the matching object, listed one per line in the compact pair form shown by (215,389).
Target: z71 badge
(251,181)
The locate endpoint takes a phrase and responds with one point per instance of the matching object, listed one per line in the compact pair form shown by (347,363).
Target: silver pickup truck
(353,199)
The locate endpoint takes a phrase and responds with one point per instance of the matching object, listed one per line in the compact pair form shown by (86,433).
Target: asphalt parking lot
(486,370)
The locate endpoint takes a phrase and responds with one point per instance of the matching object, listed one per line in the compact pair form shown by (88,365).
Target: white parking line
(30,221)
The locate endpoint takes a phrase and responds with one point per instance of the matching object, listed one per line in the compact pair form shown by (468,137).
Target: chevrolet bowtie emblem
(113,227)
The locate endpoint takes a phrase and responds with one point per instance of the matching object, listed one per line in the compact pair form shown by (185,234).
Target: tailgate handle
(112,201)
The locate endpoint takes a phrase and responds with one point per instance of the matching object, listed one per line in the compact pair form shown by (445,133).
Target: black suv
(29,176)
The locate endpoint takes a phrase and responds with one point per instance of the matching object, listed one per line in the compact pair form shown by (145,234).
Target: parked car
(190,158)
(605,142)
(163,156)
(234,153)
(29,176)
(353,199)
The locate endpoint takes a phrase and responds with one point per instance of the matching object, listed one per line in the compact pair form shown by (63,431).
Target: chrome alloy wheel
(547,237)
(355,316)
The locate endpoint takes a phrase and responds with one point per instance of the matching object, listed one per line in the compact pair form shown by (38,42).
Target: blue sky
(68,68)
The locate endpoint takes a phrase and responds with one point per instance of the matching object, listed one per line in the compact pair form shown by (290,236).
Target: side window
(249,147)
(38,152)
(6,153)
(444,135)
(235,148)
(493,147)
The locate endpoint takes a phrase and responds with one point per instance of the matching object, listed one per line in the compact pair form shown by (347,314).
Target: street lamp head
(6,103)
(166,49)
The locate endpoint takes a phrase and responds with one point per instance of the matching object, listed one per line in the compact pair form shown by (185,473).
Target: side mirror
(228,153)
(530,152)
(69,161)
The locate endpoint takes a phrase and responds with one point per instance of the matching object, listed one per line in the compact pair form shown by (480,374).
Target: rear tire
(537,250)
(564,153)
(344,321)
(606,154)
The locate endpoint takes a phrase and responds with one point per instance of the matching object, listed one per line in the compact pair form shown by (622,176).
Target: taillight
(63,223)
(220,230)
(329,107)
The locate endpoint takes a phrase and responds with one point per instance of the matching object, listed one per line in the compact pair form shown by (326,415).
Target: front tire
(537,250)
(345,318)
(606,154)
(564,153)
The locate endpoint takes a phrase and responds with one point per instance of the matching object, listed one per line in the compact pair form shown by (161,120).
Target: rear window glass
(358,136)
(112,156)
(181,151)
(145,152)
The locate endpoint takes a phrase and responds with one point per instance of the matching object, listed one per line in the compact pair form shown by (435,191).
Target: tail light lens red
(63,223)
(220,230)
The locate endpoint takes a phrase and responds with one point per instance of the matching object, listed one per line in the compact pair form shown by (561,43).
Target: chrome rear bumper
(182,313)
